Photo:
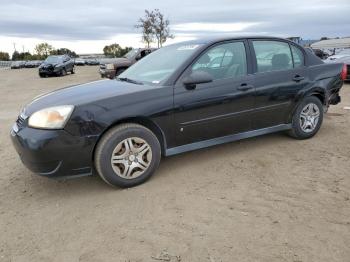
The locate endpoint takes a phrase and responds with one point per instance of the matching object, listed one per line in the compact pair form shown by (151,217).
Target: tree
(63,51)
(4,56)
(15,56)
(161,28)
(115,50)
(43,50)
(146,24)
(22,56)
(154,26)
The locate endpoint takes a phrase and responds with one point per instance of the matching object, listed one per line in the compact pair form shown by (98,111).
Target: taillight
(344,72)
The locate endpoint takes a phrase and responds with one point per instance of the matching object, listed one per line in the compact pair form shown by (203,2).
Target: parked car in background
(29,64)
(318,52)
(92,62)
(345,60)
(32,64)
(341,54)
(182,97)
(56,65)
(79,62)
(121,64)
(17,64)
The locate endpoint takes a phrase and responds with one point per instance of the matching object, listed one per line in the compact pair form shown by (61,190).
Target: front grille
(20,121)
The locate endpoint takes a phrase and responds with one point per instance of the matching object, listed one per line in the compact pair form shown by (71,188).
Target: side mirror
(195,78)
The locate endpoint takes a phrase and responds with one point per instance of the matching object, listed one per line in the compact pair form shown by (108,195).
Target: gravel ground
(269,198)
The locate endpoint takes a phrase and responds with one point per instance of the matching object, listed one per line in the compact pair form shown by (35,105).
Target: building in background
(338,43)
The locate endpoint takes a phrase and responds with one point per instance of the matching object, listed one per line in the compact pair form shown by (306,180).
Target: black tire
(73,70)
(107,144)
(297,130)
(63,72)
(42,75)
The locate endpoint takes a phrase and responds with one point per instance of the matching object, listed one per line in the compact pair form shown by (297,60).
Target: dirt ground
(270,198)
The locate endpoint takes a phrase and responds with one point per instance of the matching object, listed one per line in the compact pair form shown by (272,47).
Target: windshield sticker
(187,47)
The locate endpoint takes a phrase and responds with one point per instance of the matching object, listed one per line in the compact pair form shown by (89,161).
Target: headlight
(110,66)
(51,118)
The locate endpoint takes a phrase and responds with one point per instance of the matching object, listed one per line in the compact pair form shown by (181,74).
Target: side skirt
(225,139)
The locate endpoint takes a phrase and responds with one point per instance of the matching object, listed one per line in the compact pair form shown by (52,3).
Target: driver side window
(223,61)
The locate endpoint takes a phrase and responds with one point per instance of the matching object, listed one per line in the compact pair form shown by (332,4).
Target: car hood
(84,94)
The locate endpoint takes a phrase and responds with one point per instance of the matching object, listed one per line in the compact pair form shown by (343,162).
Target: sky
(86,26)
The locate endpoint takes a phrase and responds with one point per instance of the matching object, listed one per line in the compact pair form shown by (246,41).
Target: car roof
(212,40)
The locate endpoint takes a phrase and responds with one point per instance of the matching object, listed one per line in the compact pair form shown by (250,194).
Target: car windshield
(157,67)
(53,59)
(131,54)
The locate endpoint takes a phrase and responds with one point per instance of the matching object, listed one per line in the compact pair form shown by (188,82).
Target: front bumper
(50,71)
(108,73)
(53,153)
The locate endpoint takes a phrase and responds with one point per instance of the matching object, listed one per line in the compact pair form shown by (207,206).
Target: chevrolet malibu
(182,97)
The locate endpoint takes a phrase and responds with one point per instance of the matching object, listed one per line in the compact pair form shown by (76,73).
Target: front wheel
(63,72)
(73,70)
(127,155)
(307,118)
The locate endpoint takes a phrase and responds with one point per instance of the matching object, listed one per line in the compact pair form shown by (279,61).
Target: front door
(219,108)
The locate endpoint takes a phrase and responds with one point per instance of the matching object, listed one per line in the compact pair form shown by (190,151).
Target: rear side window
(298,56)
(272,56)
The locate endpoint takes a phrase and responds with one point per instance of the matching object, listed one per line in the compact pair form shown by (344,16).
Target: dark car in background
(111,70)
(32,64)
(92,62)
(180,98)
(79,62)
(17,64)
(56,65)
(318,52)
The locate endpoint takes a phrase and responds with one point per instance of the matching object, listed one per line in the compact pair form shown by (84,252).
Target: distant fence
(5,64)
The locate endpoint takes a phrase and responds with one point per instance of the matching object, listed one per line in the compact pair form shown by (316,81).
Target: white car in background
(341,57)
(342,54)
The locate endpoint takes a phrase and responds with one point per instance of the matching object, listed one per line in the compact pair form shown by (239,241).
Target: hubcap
(309,117)
(131,158)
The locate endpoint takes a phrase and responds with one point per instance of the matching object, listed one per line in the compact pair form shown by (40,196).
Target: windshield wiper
(125,79)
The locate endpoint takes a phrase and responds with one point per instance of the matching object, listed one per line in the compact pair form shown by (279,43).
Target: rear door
(219,108)
(279,75)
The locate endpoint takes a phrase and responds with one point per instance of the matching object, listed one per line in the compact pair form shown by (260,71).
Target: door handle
(245,87)
(298,78)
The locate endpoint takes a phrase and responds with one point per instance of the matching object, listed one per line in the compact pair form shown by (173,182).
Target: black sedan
(181,97)
(56,65)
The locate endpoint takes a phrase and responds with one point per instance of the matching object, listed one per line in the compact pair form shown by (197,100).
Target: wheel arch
(317,92)
(143,121)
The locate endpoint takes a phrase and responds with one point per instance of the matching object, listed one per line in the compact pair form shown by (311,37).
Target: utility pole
(14,46)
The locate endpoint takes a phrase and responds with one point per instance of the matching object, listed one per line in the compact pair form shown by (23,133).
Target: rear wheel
(307,118)
(127,155)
